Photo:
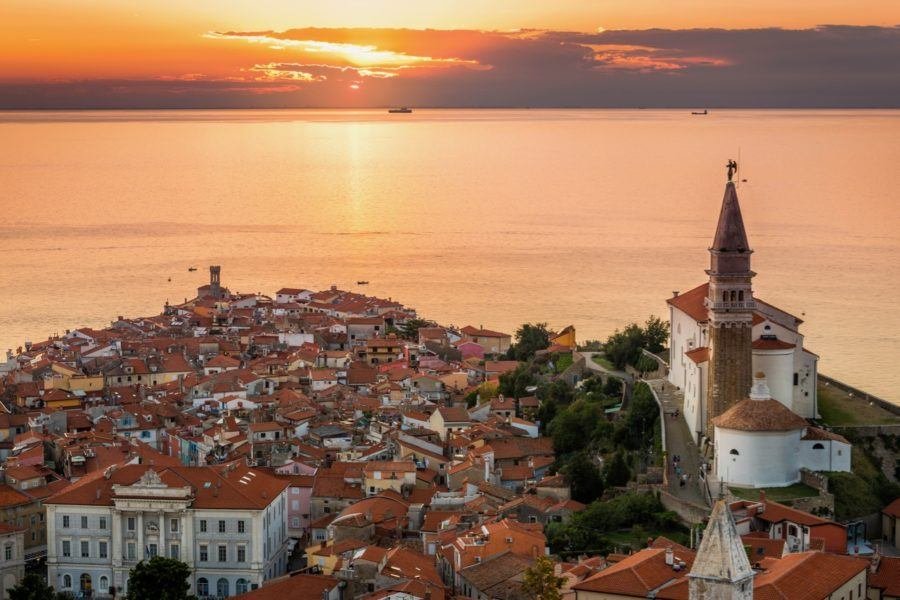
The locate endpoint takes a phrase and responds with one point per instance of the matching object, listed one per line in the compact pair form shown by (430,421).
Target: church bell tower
(730,308)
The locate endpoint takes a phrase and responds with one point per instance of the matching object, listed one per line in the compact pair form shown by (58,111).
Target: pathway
(679,442)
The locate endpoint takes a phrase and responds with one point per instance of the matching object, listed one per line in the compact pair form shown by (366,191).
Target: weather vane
(732,168)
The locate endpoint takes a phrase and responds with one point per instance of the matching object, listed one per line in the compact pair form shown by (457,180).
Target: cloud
(828,66)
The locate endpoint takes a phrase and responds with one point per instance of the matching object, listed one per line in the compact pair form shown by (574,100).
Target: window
(202,587)
(241,586)
(796,378)
(85,549)
(131,522)
(240,527)
(174,551)
(221,526)
(67,581)
(131,551)
(818,446)
(223,553)
(152,550)
(173,525)
(792,530)
(203,525)
(84,523)
(102,549)
(222,587)
(242,554)
(65,520)
(102,522)
(295,522)
(104,584)
(734,452)
(204,553)
(8,552)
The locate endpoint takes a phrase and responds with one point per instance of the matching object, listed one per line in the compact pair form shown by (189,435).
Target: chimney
(670,556)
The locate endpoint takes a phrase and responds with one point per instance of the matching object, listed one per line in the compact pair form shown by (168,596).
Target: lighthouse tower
(729,307)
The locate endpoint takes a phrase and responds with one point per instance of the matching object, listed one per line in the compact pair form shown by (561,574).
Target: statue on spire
(732,168)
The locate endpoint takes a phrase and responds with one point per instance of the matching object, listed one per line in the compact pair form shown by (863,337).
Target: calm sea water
(486,217)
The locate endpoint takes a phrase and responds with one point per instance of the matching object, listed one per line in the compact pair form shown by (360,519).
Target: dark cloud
(829,66)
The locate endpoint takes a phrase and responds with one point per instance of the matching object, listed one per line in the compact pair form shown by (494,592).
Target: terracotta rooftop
(759,415)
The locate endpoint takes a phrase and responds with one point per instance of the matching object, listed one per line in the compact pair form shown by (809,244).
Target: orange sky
(118,38)
(60,41)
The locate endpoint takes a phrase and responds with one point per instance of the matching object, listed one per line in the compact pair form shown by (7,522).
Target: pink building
(301,477)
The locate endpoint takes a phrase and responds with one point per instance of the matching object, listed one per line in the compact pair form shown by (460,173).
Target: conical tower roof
(730,233)
(721,556)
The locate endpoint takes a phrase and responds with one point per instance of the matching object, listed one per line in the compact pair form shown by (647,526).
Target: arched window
(725,296)
(734,452)
(85,582)
(104,584)
(202,587)
(222,587)
(740,295)
(241,586)
(733,295)
(818,446)
(67,581)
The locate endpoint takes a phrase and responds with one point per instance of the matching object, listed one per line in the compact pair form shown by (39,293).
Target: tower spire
(730,308)
(730,233)
(721,570)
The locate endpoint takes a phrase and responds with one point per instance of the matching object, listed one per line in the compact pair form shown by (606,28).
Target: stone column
(141,550)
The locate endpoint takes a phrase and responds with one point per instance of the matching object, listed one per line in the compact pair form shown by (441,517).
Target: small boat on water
(192,269)
(362,283)
(700,112)
(402,110)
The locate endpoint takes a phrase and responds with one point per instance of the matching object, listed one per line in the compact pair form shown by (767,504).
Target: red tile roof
(698,355)
(299,586)
(887,577)
(759,415)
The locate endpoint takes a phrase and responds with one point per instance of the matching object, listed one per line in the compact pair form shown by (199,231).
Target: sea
(486,217)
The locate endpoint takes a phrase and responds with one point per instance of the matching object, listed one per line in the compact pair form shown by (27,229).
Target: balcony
(737,305)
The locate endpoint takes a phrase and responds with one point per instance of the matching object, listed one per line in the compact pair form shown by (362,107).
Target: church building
(720,334)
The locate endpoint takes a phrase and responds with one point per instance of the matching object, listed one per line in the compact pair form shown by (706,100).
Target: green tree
(584,478)
(656,334)
(540,582)
(32,587)
(572,427)
(410,329)
(160,578)
(616,472)
(514,383)
(530,338)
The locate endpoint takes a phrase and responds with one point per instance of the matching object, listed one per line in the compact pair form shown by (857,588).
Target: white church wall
(805,393)
(815,455)
(695,384)
(778,365)
(763,459)
(685,335)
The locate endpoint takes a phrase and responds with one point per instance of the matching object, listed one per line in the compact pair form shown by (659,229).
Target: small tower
(721,570)
(215,288)
(730,308)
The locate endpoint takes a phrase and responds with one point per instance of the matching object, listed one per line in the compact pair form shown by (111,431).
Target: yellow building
(566,337)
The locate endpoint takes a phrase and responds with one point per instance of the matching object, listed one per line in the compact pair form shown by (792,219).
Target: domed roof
(760,412)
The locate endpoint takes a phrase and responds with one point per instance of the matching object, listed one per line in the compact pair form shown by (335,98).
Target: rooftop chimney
(670,556)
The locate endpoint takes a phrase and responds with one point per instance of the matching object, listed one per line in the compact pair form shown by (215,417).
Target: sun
(354,86)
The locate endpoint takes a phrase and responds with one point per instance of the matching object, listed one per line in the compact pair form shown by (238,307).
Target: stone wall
(688,511)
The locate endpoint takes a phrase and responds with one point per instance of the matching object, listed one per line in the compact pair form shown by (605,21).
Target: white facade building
(792,370)
(761,443)
(229,524)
